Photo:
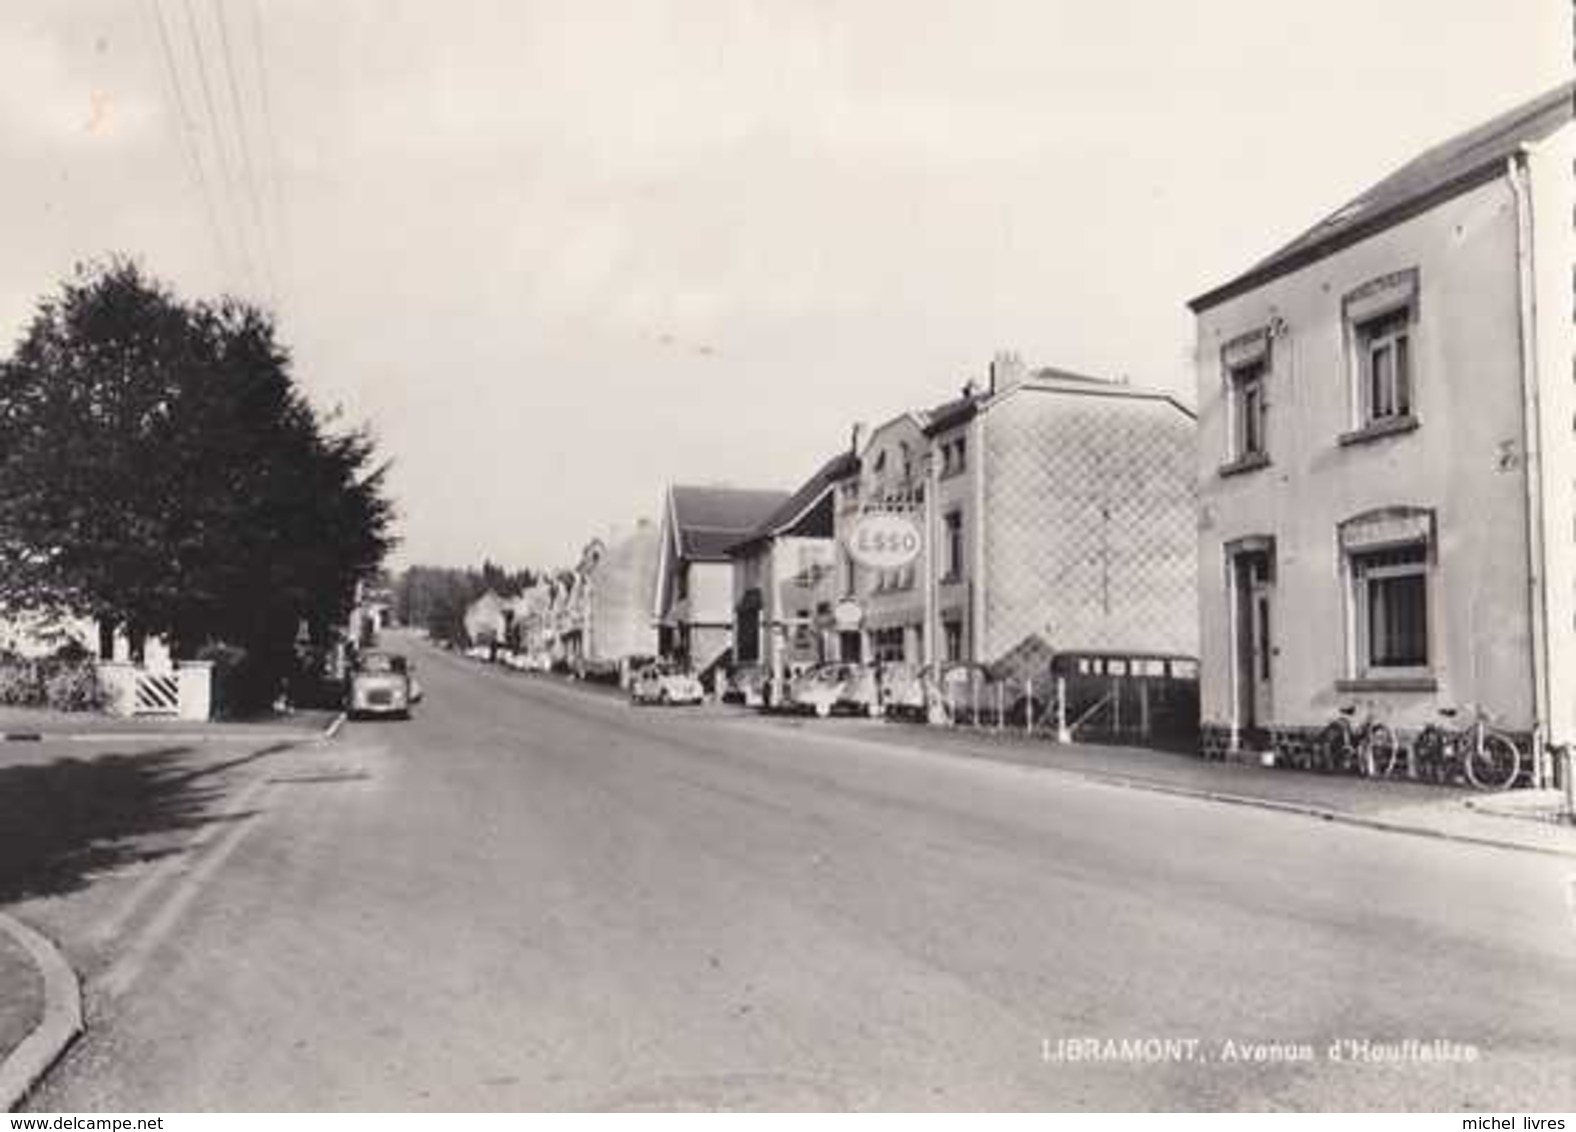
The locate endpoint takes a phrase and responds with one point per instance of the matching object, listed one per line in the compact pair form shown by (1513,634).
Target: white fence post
(1028,707)
(196,696)
(1062,734)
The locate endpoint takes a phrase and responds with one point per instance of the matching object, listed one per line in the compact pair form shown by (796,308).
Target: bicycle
(1369,749)
(1485,756)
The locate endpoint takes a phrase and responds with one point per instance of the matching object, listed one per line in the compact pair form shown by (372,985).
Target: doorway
(1254,588)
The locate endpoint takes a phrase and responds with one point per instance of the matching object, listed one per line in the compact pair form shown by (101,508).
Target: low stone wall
(1295,747)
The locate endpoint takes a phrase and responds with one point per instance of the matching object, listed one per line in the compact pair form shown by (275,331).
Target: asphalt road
(534,896)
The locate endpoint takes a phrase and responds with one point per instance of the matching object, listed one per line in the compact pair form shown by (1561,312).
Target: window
(849,573)
(954,532)
(1247,408)
(1385,366)
(953,632)
(682,583)
(1381,319)
(954,456)
(803,637)
(1391,605)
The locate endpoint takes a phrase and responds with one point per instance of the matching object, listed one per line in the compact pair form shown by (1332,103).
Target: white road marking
(125,969)
(181,861)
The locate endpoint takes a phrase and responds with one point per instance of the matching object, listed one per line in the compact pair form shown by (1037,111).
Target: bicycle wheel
(1336,753)
(1494,764)
(1379,752)
(1428,754)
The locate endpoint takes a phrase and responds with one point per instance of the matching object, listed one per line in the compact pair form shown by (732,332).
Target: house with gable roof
(785,579)
(1387,461)
(693,596)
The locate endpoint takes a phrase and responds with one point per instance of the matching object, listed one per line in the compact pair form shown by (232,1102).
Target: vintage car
(664,684)
(746,685)
(903,689)
(837,687)
(381,683)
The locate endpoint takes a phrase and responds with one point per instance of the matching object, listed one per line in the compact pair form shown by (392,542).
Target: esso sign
(883,541)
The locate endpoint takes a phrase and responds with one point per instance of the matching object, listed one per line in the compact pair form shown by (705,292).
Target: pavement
(22,1005)
(535,897)
(86,809)
(1396,805)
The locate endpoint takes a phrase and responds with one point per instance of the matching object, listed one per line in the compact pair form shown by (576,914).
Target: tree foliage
(436,597)
(160,469)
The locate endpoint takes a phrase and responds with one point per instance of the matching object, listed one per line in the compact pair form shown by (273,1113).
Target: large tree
(160,469)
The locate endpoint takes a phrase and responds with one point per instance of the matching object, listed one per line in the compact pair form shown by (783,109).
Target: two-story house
(615,581)
(1387,453)
(891,600)
(785,580)
(693,596)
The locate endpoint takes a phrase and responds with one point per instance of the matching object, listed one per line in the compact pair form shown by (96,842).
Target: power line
(216,131)
(187,141)
(270,135)
(248,173)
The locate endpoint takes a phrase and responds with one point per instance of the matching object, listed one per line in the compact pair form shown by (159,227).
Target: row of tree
(436,597)
(161,471)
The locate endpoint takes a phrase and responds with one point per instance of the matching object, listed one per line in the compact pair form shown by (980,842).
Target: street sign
(882,540)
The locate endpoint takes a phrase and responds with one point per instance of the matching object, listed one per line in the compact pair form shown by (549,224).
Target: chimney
(1006,371)
(857,437)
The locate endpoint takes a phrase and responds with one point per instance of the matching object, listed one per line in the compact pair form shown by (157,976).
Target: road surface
(534,896)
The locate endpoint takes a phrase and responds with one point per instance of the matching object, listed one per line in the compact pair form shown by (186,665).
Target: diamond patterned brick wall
(1091,538)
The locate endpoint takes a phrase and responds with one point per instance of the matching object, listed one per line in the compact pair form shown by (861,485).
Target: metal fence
(1117,698)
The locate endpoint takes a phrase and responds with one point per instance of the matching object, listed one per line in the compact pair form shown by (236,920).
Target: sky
(558,255)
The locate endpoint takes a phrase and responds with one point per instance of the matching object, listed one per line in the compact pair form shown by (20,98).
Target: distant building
(1387,461)
(487,619)
(693,598)
(785,578)
(616,583)
(891,603)
(1056,513)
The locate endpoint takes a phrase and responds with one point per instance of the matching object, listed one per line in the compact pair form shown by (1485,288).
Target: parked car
(381,683)
(746,685)
(837,687)
(664,684)
(902,689)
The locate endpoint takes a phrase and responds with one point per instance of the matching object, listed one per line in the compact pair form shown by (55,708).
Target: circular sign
(846,614)
(883,541)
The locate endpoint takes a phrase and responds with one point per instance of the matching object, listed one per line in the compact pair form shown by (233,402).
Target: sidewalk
(1522,819)
(94,828)
(35,724)
(21,996)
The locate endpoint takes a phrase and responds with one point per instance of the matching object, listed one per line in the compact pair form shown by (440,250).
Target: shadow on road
(63,822)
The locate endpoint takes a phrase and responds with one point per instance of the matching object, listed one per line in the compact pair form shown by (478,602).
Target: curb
(1319,812)
(274,736)
(60,1025)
